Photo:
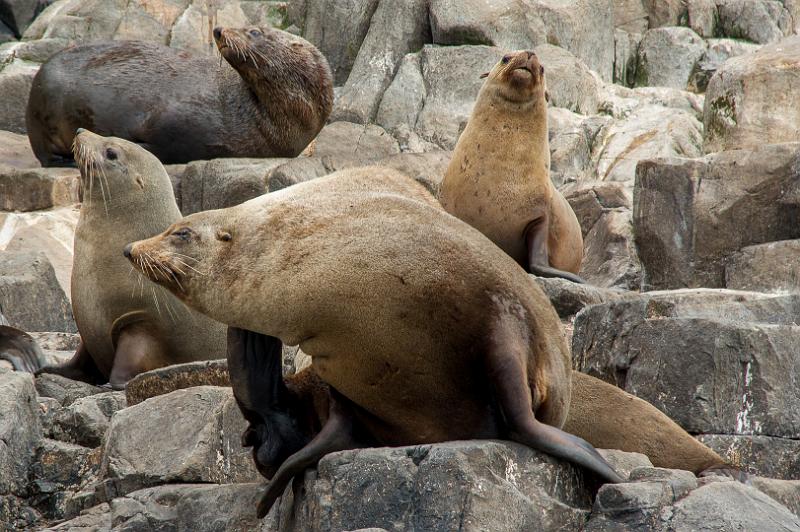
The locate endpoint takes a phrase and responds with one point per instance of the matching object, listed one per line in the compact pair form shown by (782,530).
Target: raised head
(116,172)
(518,77)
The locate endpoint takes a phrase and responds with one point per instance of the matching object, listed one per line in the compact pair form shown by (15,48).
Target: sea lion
(184,107)
(424,330)
(20,349)
(498,179)
(126,324)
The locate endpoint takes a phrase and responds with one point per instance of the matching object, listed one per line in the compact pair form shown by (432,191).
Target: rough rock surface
(689,213)
(165,380)
(740,113)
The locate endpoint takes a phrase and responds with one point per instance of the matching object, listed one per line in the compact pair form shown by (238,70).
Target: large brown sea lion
(183,107)
(127,325)
(424,330)
(498,180)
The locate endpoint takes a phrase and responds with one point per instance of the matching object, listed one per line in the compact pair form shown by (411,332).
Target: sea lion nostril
(127,251)
(217,32)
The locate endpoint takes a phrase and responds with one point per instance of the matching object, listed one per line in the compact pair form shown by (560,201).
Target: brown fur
(498,180)
(116,310)
(269,98)
(397,302)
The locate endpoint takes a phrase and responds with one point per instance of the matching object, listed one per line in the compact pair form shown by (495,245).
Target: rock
(715,505)
(427,168)
(37,51)
(626,46)
(221,183)
(343,144)
(610,257)
(765,455)
(202,445)
(751,99)
(624,463)
(16,514)
(37,188)
(18,14)
(20,431)
(703,17)
(582,27)
(570,83)
(26,277)
(770,267)
(665,12)
(760,21)
(717,52)
(56,341)
(60,469)
(15,151)
(718,506)
(176,377)
(16,79)
(6,35)
(51,232)
(688,213)
(491,485)
(569,298)
(297,171)
(338,29)
(591,199)
(403,99)
(396,29)
(699,357)
(667,57)
(571,138)
(192,29)
(196,507)
(452,79)
(630,16)
(86,420)
(65,391)
(650,131)
(786,492)
(621,102)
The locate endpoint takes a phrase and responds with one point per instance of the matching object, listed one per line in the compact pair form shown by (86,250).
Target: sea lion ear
(546,96)
(484,75)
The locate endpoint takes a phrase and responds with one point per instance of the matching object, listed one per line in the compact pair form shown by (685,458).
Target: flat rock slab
(186,436)
(770,267)
(176,377)
(32,189)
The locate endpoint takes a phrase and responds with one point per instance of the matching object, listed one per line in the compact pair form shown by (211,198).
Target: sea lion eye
(255,33)
(541,69)
(182,233)
(111,154)
(506,59)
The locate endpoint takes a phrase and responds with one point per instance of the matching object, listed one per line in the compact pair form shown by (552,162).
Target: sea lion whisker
(198,272)
(155,300)
(182,255)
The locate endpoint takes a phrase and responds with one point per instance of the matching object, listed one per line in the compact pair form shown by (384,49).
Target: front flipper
(338,434)
(536,236)
(81,367)
(255,368)
(508,376)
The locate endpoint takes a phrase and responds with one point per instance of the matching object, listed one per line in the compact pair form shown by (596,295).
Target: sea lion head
(114,171)
(518,77)
(189,259)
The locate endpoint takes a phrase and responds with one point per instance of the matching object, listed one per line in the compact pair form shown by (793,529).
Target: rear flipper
(81,367)
(510,382)
(610,418)
(137,349)
(338,434)
(20,349)
(275,429)
(536,236)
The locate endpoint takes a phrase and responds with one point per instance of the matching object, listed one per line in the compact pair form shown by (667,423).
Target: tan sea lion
(498,179)
(424,330)
(183,107)
(127,325)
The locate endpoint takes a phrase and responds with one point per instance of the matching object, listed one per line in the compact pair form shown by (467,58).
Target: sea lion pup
(184,107)
(424,330)
(498,179)
(20,349)
(127,325)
